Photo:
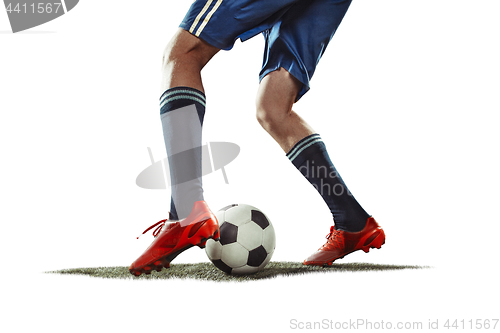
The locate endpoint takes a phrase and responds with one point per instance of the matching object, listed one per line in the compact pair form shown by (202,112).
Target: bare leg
(181,112)
(184,58)
(277,93)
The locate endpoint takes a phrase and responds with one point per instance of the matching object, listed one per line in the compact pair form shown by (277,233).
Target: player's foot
(172,238)
(341,243)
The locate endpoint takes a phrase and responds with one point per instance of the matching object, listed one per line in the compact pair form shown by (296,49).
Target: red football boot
(171,239)
(341,242)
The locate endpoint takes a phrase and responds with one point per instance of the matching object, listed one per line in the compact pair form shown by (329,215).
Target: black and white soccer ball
(247,240)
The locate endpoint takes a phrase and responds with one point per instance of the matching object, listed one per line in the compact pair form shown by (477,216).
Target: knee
(175,53)
(262,114)
(169,55)
(268,115)
(277,94)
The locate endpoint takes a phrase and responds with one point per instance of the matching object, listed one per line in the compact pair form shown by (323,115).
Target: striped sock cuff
(303,145)
(178,97)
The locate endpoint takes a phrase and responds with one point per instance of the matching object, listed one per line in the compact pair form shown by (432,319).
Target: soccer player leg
(182,109)
(289,63)
(354,229)
(183,59)
(277,93)
(304,147)
(314,22)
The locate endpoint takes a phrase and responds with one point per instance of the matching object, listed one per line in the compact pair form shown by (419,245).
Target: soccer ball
(246,243)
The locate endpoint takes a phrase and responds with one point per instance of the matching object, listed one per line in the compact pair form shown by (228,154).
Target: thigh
(300,38)
(183,43)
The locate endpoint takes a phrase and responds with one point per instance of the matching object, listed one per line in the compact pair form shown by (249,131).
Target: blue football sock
(182,110)
(310,157)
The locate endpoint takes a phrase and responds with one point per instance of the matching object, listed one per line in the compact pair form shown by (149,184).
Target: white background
(406,99)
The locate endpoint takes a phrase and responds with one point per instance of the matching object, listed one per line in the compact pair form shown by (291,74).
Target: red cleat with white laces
(341,243)
(172,238)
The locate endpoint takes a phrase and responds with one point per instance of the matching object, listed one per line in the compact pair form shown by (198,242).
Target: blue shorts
(296,31)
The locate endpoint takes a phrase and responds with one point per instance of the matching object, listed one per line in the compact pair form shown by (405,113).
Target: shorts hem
(207,39)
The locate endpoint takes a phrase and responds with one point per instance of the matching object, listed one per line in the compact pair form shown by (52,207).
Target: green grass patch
(208,272)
